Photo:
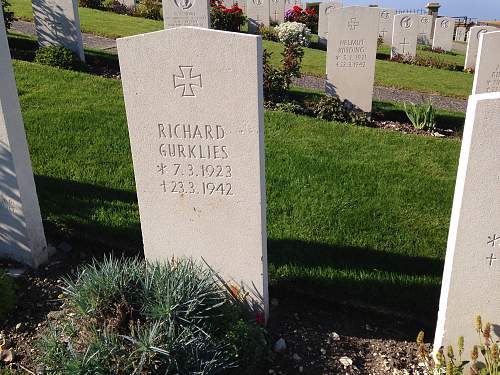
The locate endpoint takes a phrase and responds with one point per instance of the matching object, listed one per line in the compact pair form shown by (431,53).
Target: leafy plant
(331,108)
(58,57)
(308,17)
(428,61)
(268,33)
(228,19)
(275,81)
(151,9)
(421,116)
(94,4)
(7,294)
(8,15)
(127,316)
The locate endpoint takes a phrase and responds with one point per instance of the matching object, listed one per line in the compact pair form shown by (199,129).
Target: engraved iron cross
(353,24)
(187,81)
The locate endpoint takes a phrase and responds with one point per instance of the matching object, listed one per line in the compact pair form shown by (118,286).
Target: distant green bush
(132,317)
(7,294)
(59,57)
(151,9)
(94,4)
(8,15)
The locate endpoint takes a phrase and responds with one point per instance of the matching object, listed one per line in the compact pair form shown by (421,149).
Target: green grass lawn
(390,74)
(353,213)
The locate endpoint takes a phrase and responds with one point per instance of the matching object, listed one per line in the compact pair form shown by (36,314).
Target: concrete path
(380,93)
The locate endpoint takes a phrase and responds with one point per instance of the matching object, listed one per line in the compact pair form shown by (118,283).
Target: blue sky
(482,9)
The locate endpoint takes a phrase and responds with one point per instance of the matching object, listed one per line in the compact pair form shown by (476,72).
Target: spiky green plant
(421,116)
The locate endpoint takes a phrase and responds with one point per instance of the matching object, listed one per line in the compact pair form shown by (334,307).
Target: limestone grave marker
(404,34)
(351,54)
(443,33)
(186,13)
(57,23)
(385,24)
(277,11)
(21,230)
(199,167)
(324,10)
(471,272)
(425,29)
(257,14)
(460,34)
(487,73)
(473,44)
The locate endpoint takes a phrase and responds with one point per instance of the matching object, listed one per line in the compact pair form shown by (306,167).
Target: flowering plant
(293,33)
(226,18)
(306,16)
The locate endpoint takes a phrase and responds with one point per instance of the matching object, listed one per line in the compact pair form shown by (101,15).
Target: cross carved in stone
(187,81)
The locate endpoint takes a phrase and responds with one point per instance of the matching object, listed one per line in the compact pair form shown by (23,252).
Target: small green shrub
(275,81)
(331,108)
(227,19)
(8,15)
(133,317)
(94,4)
(427,61)
(421,116)
(59,57)
(7,294)
(151,9)
(268,33)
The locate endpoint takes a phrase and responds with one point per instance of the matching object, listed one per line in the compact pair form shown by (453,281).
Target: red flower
(310,11)
(297,9)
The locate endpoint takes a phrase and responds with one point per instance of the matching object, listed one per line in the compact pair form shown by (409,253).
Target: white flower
(293,32)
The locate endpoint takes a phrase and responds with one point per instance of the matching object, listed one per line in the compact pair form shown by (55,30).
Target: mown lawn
(390,74)
(353,213)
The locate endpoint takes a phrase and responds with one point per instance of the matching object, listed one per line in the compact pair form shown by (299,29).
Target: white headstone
(472,266)
(460,33)
(128,3)
(404,34)
(425,29)
(443,33)
(487,73)
(473,44)
(385,24)
(199,167)
(257,14)
(186,13)
(57,23)
(351,54)
(277,11)
(325,9)
(21,230)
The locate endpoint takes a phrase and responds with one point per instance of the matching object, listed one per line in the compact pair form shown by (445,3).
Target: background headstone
(425,29)
(385,24)
(325,9)
(199,167)
(21,230)
(460,33)
(277,11)
(487,73)
(473,44)
(443,33)
(351,54)
(404,34)
(243,5)
(472,265)
(186,13)
(257,14)
(57,23)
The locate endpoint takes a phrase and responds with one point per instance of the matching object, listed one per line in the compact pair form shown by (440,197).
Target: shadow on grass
(384,282)
(93,214)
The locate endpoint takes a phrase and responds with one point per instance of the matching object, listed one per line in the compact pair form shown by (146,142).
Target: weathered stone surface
(385,24)
(324,10)
(487,72)
(257,14)
(443,33)
(460,34)
(471,271)
(425,29)
(57,23)
(473,44)
(404,34)
(277,11)
(351,54)
(186,13)
(21,230)
(199,166)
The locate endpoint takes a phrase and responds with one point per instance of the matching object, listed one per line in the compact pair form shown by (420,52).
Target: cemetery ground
(357,221)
